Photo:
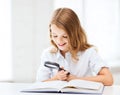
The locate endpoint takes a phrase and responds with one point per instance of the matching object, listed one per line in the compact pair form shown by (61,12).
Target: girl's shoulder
(47,51)
(90,50)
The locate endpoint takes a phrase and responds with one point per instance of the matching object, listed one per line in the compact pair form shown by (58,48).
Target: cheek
(67,41)
(53,39)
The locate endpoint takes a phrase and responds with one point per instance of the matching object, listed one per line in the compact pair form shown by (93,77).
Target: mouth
(62,44)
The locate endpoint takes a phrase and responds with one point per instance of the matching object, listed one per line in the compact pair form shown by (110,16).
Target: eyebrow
(56,33)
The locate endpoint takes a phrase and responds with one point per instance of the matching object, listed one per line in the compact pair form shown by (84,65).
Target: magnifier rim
(51,65)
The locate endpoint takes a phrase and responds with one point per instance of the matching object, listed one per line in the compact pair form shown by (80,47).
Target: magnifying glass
(54,65)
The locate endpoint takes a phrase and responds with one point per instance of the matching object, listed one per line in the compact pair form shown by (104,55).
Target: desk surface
(15,88)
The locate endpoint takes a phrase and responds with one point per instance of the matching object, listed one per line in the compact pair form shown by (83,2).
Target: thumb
(61,68)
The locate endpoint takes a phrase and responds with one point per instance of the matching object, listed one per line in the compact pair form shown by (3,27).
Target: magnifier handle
(64,70)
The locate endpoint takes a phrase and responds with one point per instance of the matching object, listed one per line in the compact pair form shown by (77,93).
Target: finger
(62,67)
(65,72)
(63,77)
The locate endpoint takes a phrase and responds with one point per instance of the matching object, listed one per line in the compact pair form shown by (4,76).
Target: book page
(83,84)
(82,90)
(51,84)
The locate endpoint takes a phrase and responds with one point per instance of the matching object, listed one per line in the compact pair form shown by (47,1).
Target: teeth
(62,44)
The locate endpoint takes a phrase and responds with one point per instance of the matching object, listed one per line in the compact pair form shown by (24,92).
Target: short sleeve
(96,62)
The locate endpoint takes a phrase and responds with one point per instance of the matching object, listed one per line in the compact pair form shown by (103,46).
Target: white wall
(30,19)
(5,41)
(101,24)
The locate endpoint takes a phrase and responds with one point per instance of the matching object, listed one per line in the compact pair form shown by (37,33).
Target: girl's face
(60,38)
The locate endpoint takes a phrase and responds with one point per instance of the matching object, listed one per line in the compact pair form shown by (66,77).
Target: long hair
(66,19)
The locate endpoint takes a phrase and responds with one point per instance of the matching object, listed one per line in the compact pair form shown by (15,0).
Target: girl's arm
(61,75)
(103,76)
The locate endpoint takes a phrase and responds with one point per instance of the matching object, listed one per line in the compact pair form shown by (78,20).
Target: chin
(63,48)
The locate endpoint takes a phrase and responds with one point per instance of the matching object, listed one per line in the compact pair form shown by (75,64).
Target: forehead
(57,30)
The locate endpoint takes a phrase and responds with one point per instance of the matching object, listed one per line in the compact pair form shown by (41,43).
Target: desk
(15,88)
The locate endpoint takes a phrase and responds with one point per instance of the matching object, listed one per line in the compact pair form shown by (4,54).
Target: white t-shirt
(89,64)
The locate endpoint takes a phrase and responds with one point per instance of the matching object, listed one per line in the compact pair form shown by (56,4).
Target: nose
(59,40)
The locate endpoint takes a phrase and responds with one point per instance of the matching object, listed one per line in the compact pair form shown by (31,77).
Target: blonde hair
(67,20)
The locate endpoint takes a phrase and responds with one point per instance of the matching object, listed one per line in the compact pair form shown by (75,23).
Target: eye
(64,36)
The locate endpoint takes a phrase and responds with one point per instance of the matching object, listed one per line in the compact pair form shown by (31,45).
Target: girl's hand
(61,75)
(71,77)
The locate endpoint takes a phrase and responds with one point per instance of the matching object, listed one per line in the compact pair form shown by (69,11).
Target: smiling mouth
(61,44)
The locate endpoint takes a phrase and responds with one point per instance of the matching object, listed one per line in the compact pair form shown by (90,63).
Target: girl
(72,52)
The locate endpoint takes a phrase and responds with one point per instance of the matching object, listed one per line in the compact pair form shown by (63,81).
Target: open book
(73,86)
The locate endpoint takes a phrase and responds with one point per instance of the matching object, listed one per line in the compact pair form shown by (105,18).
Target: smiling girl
(71,50)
